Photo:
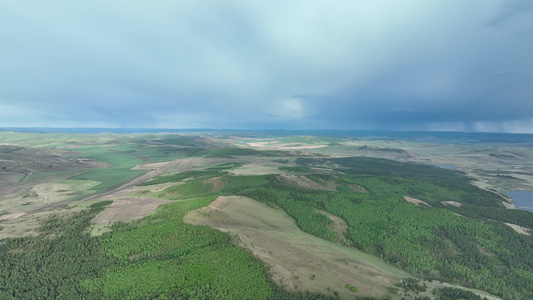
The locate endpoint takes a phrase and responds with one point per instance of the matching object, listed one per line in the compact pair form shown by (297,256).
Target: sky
(440,65)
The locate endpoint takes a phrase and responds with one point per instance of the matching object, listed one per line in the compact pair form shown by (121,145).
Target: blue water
(446,166)
(522,199)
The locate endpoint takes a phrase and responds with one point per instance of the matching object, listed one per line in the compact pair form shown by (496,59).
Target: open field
(20,164)
(19,225)
(127,209)
(28,201)
(119,171)
(30,196)
(27,224)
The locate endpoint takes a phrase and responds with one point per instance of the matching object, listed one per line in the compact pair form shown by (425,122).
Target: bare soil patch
(11,216)
(454,203)
(415,201)
(508,205)
(459,215)
(435,284)
(262,144)
(297,260)
(128,209)
(519,229)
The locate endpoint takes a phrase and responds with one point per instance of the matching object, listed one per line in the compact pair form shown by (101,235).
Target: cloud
(276,64)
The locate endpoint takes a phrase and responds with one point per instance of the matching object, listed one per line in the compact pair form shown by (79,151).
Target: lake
(522,200)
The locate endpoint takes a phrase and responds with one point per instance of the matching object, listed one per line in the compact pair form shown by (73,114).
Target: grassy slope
(299,260)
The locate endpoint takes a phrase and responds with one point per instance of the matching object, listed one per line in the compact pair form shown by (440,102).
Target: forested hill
(466,243)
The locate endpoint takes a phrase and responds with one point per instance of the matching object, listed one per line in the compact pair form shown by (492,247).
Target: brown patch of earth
(454,203)
(508,205)
(519,229)
(415,201)
(128,209)
(304,182)
(261,144)
(297,260)
(459,215)
(435,284)
(11,216)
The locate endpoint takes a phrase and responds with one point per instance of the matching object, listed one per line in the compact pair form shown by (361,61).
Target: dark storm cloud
(425,65)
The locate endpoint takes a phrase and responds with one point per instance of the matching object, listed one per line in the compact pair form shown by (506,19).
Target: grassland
(127,209)
(119,171)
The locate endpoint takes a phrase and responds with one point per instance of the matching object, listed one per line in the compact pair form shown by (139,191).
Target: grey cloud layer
(460,65)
